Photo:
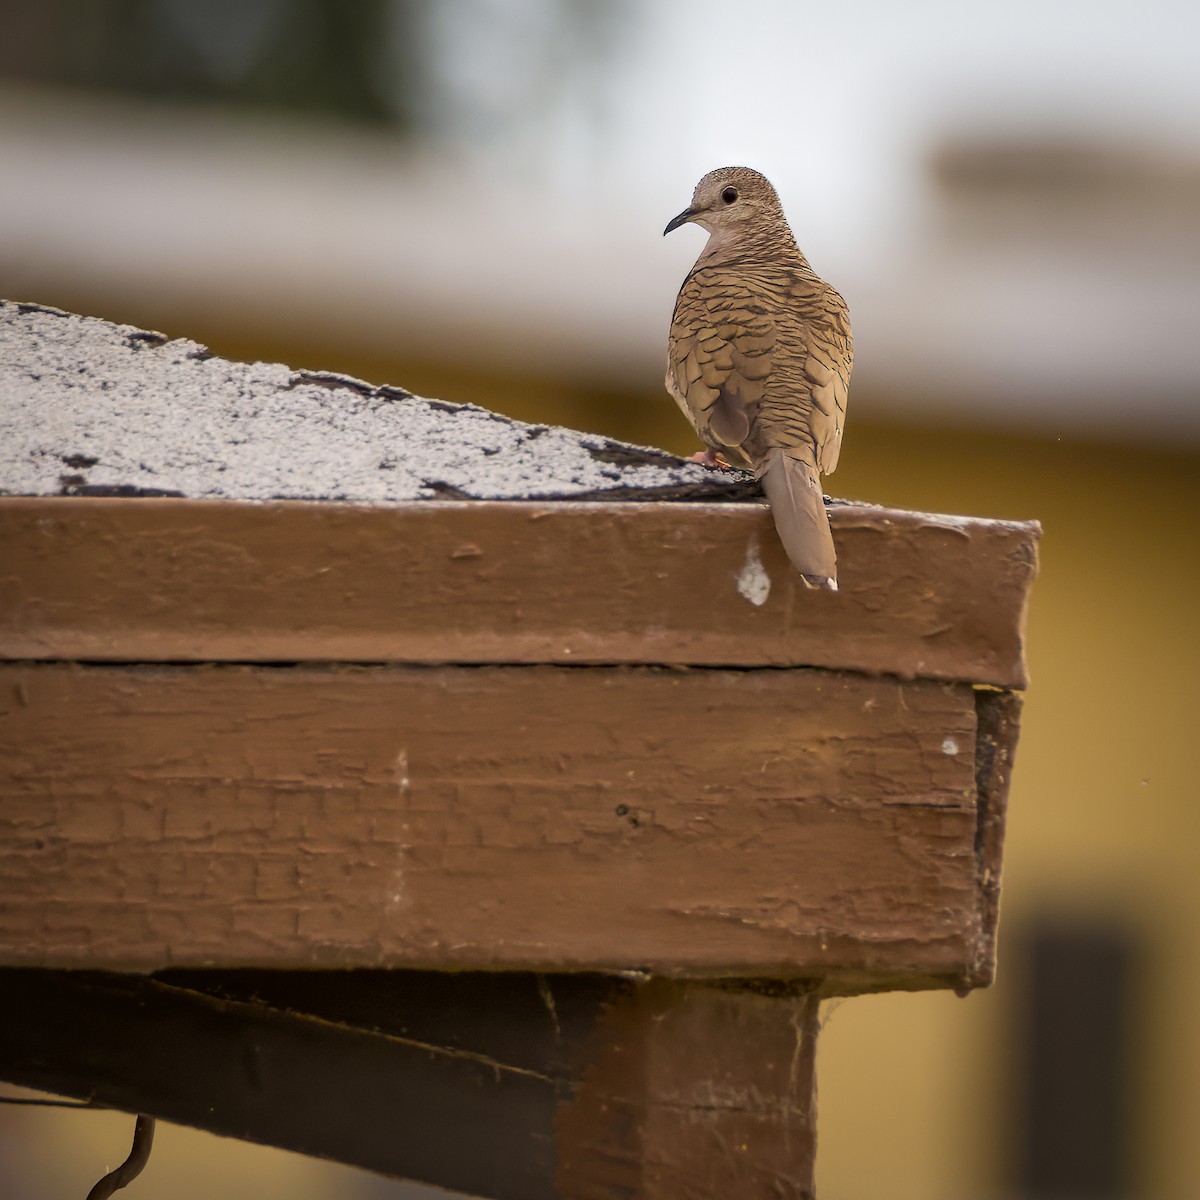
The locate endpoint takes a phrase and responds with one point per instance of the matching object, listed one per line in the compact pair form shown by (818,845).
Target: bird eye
(729,195)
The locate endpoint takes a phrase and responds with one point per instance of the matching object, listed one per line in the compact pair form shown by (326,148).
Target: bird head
(727,198)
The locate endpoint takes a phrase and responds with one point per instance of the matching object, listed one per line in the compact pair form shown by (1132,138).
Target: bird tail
(793,488)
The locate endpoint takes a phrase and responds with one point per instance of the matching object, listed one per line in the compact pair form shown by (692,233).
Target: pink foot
(711,459)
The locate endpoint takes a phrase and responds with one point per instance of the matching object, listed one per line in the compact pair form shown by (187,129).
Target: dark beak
(683,218)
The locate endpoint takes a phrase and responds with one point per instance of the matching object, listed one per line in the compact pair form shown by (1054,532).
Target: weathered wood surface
(512,1086)
(693,823)
(183,580)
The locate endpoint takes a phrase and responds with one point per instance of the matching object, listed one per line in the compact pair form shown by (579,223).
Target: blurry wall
(1102,835)
(466,198)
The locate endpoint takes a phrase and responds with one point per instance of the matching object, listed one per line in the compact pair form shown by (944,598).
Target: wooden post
(696,1091)
(505,845)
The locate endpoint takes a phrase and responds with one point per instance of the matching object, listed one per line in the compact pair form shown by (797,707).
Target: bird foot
(711,459)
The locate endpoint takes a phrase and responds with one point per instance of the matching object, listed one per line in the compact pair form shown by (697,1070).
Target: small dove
(759,359)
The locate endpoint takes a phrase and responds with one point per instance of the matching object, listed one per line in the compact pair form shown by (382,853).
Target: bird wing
(719,357)
(827,359)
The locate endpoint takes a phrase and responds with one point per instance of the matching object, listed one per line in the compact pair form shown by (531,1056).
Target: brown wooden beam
(703,584)
(693,823)
(518,1087)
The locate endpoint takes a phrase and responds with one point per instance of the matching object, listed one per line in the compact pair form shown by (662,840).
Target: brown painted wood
(691,823)
(520,1087)
(189,580)
(694,1092)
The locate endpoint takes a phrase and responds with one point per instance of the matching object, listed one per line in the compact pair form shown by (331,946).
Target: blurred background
(466,198)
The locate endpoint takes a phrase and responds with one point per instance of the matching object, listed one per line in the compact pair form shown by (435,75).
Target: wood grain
(700,584)
(692,823)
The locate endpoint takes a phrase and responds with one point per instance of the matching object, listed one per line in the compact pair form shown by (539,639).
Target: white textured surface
(85,404)
(753,582)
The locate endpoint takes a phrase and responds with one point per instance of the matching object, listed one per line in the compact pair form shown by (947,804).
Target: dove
(759,357)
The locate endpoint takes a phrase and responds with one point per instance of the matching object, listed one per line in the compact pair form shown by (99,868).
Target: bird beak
(683,218)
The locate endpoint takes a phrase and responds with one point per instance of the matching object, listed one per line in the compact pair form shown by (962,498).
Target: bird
(759,357)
